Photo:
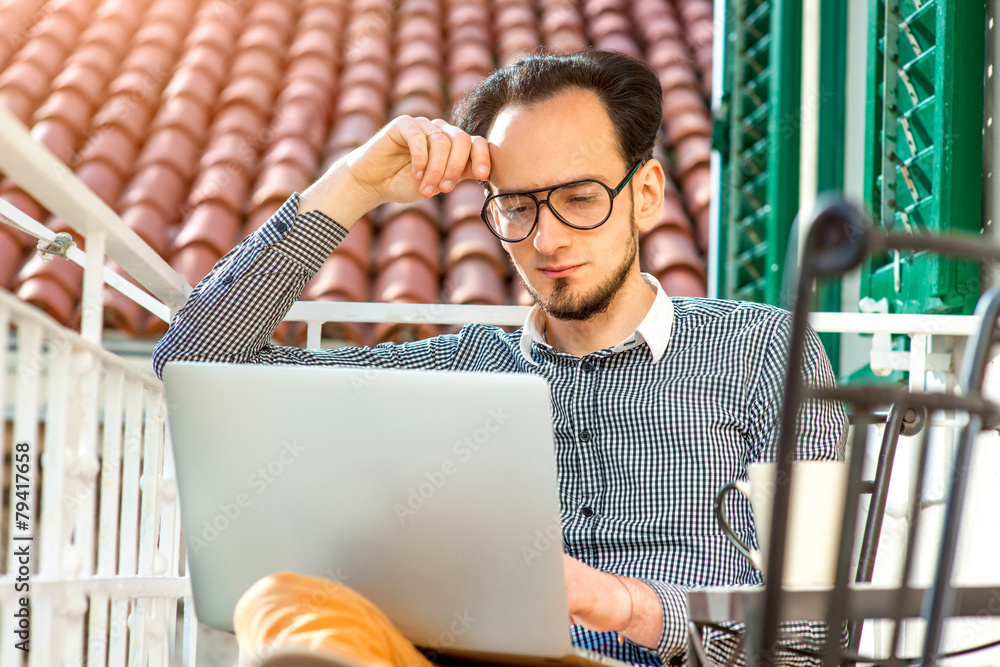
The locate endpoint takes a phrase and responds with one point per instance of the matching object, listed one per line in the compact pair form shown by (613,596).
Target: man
(657,402)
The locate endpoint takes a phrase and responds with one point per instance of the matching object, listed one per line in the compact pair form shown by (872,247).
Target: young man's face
(573,274)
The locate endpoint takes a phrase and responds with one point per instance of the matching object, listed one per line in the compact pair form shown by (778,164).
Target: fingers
(442,154)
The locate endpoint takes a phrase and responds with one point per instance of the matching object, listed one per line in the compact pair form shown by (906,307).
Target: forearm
(338,196)
(232,313)
(647,612)
(645,620)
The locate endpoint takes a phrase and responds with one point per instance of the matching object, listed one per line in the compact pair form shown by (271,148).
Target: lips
(559,271)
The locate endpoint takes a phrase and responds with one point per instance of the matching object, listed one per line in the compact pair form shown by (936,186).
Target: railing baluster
(28,369)
(149,522)
(56,552)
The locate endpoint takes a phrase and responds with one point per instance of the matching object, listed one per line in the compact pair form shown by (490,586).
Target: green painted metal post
(783,128)
(831,98)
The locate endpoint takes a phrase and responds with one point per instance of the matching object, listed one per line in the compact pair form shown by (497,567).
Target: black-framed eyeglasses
(584,204)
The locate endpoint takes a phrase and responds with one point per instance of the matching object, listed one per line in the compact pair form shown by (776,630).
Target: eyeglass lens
(582,204)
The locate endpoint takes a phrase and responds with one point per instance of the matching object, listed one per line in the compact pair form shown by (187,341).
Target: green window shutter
(758,138)
(924,146)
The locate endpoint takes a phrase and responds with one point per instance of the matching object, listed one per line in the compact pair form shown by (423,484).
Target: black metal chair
(838,240)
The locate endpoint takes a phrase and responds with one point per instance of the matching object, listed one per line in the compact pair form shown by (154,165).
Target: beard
(562,304)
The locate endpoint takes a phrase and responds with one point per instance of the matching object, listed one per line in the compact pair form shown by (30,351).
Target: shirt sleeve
(673,602)
(232,313)
(821,427)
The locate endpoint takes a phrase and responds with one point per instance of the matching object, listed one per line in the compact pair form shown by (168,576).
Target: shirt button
(587,367)
(587,511)
(227,280)
(585,435)
(281,227)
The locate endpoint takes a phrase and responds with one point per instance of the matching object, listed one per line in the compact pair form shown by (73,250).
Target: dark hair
(627,87)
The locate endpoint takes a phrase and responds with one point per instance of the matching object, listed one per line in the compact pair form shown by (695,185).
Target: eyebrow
(585,177)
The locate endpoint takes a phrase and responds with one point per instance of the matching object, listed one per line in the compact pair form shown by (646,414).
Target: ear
(650,181)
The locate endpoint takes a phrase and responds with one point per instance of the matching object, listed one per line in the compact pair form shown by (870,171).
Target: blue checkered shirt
(645,432)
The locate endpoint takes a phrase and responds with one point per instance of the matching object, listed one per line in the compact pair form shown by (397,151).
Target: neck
(607,329)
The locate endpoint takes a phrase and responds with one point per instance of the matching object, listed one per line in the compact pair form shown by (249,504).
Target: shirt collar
(654,330)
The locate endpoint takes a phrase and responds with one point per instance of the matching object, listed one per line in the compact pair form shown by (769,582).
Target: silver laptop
(434,494)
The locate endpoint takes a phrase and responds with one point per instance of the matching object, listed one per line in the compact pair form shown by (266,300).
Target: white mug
(815,517)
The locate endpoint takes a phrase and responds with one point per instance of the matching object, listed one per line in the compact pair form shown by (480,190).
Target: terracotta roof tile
(368,73)
(103,179)
(193,262)
(222,184)
(313,68)
(211,224)
(697,188)
(124,314)
(618,42)
(519,295)
(111,146)
(233,118)
(679,281)
(408,234)
(429,208)
(419,79)
(196,84)
(11,252)
(174,148)
(231,149)
(103,43)
(358,244)
(688,124)
(22,87)
(292,150)
(127,113)
(609,23)
(43,55)
(467,12)
(20,199)
(471,57)
(155,36)
(412,8)
(680,100)
(352,130)
(157,185)
(235,105)
(278,183)
(339,279)
(666,247)
(362,99)
(421,28)
(312,41)
(471,238)
(476,281)
(150,223)
(419,52)
(407,279)
(67,106)
(50,294)
(692,152)
(416,105)
(464,203)
(56,136)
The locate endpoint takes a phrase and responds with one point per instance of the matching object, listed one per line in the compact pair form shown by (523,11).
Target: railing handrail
(37,170)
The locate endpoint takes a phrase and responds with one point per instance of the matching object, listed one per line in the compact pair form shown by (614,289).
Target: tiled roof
(195,119)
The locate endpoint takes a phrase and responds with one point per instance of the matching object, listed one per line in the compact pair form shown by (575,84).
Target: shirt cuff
(673,602)
(307,238)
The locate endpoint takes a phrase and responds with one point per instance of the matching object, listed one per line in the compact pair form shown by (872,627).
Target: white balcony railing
(107,568)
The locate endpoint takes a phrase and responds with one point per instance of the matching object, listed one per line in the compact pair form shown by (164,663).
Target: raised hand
(407,159)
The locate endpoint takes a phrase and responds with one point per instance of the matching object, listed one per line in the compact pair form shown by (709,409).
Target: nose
(550,232)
